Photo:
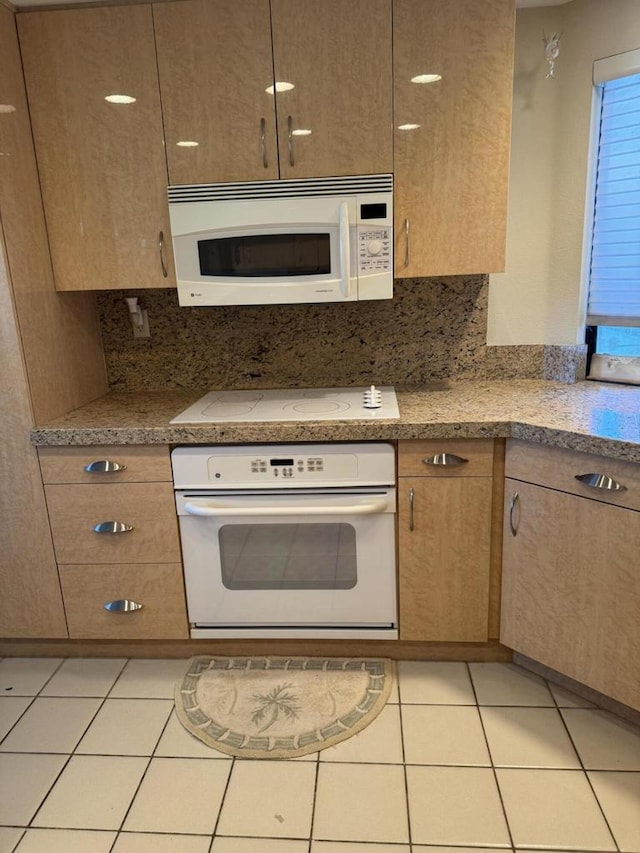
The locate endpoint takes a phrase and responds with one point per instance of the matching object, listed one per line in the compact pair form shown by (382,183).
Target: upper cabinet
(335,117)
(226,68)
(453,65)
(127,99)
(215,65)
(95,108)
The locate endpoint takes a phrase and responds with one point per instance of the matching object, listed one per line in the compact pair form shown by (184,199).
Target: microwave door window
(266,255)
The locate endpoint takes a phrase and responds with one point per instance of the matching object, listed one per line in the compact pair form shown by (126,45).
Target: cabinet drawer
(476,455)
(149,509)
(158,587)
(558,468)
(137,464)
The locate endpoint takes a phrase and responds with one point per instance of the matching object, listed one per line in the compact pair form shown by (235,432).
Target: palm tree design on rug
(280,699)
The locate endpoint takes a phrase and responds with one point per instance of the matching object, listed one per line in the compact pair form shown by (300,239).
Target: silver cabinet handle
(263,144)
(161,250)
(122,605)
(104,466)
(406,243)
(290,135)
(112,527)
(442,460)
(411,497)
(513,522)
(601,481)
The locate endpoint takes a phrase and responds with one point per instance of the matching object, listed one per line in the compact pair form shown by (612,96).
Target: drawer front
(149,509)
(158,587)
(557,468)
(135,464)
(466,458)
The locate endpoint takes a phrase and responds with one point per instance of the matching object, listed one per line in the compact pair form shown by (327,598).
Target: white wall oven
(288,540)
(274,242)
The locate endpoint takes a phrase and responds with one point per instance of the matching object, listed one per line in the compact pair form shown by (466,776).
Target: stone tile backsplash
(432,329)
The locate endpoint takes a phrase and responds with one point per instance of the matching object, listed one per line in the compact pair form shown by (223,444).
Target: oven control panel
(275,466)
(261,469)
(291,467)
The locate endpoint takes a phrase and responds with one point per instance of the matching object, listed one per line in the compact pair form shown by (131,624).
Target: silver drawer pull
(412,496)
(406,242)
(445,459)
(514,522)
(163,266)
(263,144)
(104,466)
(112,527)
(122,605)
(601,481)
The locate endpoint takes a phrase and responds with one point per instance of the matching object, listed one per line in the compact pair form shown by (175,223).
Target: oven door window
(266,255)
(288,556)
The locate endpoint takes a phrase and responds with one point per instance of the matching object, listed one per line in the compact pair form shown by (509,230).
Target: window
(613,312)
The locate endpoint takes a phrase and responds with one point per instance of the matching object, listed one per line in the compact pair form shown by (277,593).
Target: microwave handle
(345,251)
(208,508)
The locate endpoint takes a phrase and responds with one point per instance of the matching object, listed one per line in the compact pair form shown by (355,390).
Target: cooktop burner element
(293,404)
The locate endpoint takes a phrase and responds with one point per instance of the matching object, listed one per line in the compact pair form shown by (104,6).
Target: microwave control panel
(374,249)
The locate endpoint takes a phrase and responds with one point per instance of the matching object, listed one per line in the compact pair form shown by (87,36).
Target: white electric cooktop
(294,404)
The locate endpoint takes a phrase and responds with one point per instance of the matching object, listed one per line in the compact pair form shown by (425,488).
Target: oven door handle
(207,508)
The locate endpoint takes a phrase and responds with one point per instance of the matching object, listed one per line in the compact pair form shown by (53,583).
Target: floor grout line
(584,770)
(493,769)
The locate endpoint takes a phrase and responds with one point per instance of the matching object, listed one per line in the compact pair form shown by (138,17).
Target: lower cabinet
(115,534)
(571,568)
(444,539)
(158,587)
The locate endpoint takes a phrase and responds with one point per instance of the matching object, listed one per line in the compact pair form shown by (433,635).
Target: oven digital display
(287,462)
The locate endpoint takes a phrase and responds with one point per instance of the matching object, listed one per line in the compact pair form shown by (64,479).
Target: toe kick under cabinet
(571,568)
(115,534)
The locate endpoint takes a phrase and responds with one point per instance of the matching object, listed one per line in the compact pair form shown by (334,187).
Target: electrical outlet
(144,331)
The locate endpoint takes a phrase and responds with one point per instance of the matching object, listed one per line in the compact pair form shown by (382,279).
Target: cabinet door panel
(571,588)
(215,64)
(158,587)
(451,169)
(138,464)
(101,164)
(444,560)
(148,508)
(337,55)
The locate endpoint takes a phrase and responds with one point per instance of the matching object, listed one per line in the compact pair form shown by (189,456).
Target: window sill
(615,368)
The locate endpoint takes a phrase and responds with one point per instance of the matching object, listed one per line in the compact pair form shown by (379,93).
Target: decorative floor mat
(272,707)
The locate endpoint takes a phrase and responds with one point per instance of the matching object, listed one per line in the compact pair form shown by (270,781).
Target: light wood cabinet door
(452,136)
(147,508)
(127,463)
(444,546)
(215,65)
(337,55)
(159,588)
(571,587)
(102,165)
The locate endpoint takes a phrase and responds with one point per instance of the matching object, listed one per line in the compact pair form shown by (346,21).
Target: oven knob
(374,247)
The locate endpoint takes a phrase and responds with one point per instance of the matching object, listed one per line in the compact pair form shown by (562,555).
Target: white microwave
(277,242)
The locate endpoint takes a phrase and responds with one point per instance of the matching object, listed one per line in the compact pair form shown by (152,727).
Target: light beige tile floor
(463,759)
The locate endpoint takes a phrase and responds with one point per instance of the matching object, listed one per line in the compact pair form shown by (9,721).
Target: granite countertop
(588,416)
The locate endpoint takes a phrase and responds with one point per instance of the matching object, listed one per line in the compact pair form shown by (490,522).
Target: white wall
(539,299)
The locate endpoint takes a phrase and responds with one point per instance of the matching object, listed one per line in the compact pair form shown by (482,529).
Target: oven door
(274,559)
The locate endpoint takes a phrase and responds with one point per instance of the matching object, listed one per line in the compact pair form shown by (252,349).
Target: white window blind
(614,281)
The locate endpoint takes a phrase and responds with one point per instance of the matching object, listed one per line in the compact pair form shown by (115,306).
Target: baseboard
(397,650)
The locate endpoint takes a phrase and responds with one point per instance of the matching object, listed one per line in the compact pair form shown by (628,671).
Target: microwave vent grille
(354,185)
